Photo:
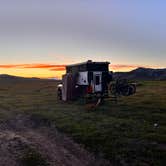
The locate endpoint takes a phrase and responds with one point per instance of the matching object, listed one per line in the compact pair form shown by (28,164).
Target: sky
(39,37)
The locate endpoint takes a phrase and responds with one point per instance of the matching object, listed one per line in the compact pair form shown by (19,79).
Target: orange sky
(50,70)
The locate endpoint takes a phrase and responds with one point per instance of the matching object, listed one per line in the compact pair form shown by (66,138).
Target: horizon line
(59,78)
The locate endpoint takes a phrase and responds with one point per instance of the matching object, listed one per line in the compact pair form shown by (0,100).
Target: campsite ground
(130,132)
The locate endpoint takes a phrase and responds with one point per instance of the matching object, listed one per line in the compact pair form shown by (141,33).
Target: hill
(11,77)
(143,74)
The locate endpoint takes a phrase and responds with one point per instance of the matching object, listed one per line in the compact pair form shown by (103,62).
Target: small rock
(155,124)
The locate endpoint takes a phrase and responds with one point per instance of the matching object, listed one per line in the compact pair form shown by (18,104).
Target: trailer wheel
(59,94)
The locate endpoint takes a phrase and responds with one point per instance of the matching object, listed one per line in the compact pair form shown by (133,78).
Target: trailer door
(97,77)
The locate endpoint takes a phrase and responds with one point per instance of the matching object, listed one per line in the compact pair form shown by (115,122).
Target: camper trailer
(82,79)
(92,80)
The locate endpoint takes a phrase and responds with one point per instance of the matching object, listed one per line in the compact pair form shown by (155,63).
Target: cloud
(10,66)
(51,67)
(58,69)
(45,66)
(123,67)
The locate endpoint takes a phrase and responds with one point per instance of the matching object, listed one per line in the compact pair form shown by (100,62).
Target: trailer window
(97,80)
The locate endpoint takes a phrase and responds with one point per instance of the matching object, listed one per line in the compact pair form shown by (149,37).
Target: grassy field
(131,132)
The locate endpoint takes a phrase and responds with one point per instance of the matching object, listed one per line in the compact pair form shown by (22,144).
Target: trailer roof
(87,62)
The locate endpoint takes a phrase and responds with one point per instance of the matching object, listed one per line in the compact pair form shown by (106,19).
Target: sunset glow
(38,38)
(51,70)
(34,70)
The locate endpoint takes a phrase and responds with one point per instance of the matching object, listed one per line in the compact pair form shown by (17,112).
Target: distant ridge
(143,74)
(10,77)
(6,77)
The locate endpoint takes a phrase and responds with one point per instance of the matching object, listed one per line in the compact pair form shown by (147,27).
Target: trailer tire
(59,94)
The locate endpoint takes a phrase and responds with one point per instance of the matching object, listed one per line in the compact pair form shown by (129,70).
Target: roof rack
(88,62)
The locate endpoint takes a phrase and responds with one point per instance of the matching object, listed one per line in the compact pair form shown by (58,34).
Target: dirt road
(24,143)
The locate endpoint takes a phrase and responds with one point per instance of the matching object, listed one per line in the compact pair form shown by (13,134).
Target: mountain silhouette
(11,77)
(142,74)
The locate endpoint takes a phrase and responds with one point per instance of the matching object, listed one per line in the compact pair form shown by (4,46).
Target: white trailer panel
(83,78)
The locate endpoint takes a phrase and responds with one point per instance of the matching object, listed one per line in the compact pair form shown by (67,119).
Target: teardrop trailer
(92,80)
